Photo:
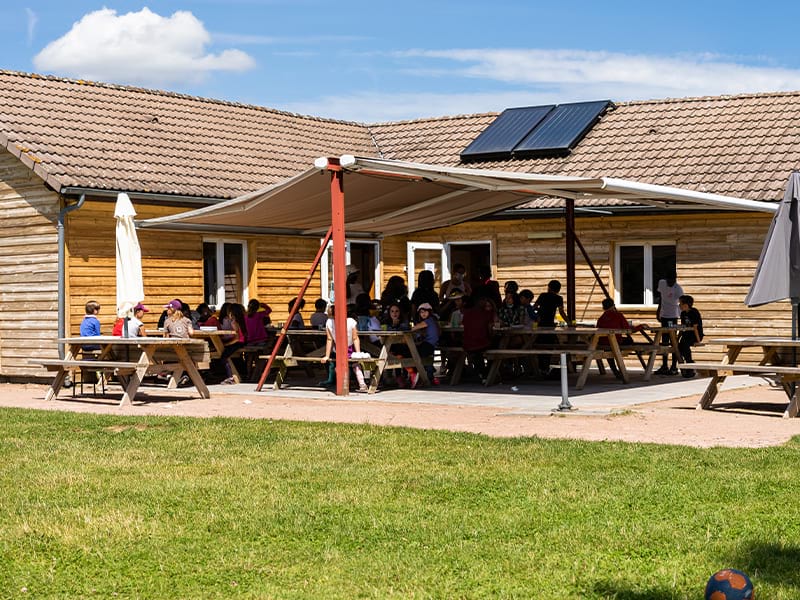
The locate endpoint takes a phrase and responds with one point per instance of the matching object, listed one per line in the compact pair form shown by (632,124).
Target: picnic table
(582,342)
(772,362)
(131,359)
(299,352)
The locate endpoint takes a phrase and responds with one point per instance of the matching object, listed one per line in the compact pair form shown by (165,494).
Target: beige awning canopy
(386,197)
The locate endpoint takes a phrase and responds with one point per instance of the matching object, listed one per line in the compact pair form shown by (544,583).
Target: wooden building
(69,146)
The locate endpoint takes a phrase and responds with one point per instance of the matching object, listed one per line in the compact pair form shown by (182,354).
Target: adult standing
(668,313)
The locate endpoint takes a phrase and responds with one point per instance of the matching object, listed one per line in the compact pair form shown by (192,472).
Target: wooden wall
(28,268)
(172,265)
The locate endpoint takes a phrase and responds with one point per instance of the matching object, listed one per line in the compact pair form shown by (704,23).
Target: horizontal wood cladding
(28,269)
(172,263)
(283,264)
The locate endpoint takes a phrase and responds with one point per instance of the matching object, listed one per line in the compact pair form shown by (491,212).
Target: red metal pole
(294,310)
(339,279)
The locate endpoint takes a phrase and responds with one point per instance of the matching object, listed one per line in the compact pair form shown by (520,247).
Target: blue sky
(384,61)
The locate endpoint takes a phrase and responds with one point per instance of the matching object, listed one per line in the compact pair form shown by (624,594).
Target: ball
(729,584)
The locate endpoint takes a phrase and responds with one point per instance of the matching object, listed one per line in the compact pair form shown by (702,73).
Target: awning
(387,197)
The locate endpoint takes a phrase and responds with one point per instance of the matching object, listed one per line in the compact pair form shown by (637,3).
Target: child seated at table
(690,317)
(613,319)
(353,345)
(91,324)
(319,317)
(297,319)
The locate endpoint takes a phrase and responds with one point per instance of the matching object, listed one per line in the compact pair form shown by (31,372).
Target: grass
(103,506)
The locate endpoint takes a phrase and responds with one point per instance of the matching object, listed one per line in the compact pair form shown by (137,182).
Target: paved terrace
(747,413)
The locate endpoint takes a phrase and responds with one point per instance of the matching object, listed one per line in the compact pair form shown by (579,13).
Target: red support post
(339,279)
(293,312)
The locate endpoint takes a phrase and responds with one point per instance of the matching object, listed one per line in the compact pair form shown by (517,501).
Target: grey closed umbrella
(777,275)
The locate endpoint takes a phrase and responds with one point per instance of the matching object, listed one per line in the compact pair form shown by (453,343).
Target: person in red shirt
(478,321)
(613,319)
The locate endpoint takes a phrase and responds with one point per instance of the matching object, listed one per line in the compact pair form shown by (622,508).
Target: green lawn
(102,506)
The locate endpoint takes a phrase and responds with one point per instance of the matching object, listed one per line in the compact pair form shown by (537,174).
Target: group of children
(478,310)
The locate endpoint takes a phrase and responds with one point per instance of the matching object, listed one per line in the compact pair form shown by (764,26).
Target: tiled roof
(744,146)
(75,133)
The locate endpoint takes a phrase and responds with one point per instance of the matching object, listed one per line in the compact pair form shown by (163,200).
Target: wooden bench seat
(55,364)
(514,352)
(721,368)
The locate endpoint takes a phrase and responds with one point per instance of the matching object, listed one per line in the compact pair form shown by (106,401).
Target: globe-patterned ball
(729,584)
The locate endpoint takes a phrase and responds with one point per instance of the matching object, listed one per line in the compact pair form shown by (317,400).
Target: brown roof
(75,133)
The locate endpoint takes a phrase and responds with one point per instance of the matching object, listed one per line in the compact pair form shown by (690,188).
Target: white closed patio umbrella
(130,287)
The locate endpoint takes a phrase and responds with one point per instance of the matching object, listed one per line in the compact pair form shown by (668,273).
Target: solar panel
(505,132)
(561,131)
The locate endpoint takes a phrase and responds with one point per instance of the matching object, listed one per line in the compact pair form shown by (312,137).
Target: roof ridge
(719,98)
(168,94)
(492,113)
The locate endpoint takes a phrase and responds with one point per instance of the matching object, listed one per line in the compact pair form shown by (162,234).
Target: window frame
(649,292)
(220,274)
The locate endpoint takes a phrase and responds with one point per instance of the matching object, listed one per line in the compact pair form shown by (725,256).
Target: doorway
(471,254)
(365,256)
(440,258)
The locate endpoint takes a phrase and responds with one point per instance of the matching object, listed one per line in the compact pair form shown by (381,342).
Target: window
(638,267)
(224,272)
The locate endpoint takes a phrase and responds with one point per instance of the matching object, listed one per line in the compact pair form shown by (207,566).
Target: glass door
(425,256)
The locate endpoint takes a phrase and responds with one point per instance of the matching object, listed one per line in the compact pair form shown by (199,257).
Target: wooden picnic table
(583,342)
(382,359)
(771,363)
(131,359)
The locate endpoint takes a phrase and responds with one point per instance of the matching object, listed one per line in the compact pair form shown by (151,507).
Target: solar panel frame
(504,133)
(561,131)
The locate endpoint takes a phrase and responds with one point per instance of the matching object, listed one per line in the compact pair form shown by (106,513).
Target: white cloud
(33,19)
(533,76)
(634,75)
(141,48)
(377,107)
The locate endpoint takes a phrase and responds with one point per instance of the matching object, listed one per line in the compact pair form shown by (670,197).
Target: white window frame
(220,244)
(412,247)
(649,293)
(325,280)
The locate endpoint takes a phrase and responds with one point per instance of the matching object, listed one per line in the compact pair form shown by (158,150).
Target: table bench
(771,347)
(284,362)
(153,355)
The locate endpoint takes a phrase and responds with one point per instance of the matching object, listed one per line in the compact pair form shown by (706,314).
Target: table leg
(192,372)
(717,380)
(612,339)
(380,366)
(651,362)
(412,347)
(791,410)
(135,380)
(58,381)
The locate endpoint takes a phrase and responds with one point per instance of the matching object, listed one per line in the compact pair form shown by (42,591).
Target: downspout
(62,317)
